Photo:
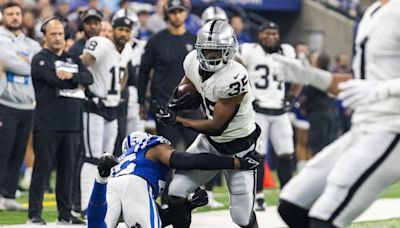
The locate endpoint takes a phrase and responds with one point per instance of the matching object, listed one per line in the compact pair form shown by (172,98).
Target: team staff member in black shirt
(57,78)
(164,53)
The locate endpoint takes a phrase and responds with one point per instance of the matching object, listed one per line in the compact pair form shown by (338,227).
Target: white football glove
(300,72)
(355,93)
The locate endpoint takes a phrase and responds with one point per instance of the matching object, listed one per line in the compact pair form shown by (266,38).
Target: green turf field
(220,193)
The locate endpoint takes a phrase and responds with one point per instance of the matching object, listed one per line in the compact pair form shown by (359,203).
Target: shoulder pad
(233,82)
(189,59)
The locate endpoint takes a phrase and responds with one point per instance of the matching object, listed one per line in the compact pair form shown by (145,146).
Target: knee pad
(294,216)
(316,223)
(253,221)
(180,212)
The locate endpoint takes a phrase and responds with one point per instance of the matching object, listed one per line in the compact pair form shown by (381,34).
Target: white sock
(260,195)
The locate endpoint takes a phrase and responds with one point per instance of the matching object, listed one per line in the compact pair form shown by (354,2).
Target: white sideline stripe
(380,210)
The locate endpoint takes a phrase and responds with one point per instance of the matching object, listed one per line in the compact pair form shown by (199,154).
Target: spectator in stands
(59,79)
(236,21)
(157,20)
(343,66)
(144,31)
(94,4)
(166,60)
(106,30)
(45,13)
(28,25)
(63,8)
(16,101)
(320,109)
(91,25)
(192,22)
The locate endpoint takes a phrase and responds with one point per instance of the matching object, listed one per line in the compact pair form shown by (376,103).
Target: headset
(64,21)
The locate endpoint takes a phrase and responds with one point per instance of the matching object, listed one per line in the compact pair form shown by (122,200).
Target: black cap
(91,12)
(176,4)
(268,25)
(122,22)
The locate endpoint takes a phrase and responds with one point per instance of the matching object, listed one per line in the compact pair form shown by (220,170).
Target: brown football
(189,88)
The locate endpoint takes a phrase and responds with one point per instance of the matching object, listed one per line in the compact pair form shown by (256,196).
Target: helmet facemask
(215,45)
(213,59)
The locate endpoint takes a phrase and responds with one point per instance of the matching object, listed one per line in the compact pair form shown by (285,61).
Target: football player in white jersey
(229,129)
(270,102)
(341,182)
(107,61)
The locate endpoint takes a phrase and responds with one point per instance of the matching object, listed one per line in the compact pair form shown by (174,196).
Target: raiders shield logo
(189,47)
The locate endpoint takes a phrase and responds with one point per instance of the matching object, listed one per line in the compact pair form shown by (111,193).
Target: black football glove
(166,116)
(107,161)
(199,199)
(289,103)
(250,162)
(183,102)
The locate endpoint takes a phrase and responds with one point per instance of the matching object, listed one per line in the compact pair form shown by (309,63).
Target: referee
(57,78)
(164,53)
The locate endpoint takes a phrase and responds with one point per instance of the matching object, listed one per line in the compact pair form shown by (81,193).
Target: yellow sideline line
(48,201)
(45,204)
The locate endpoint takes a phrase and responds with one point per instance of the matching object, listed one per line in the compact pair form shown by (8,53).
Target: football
(195,97)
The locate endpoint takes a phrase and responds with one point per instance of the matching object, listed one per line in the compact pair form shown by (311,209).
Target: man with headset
(58,79)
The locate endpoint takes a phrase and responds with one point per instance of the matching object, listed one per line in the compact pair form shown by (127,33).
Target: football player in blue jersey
(138,177)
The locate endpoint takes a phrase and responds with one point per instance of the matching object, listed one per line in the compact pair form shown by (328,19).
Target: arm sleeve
(84,76)
(13,63)
(204,161)
(43,69)
(97,208)
(147,63)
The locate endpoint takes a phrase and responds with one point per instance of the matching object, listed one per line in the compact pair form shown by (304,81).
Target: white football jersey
(224,83)
(268,86)
(108,69)
(377,57)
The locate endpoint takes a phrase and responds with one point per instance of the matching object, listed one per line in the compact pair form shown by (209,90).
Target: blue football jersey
(134,162)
